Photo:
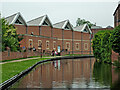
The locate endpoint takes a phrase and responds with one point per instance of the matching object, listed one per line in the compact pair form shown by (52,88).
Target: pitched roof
(96,27)
(62,24)
(12,19)
(81,28)
(39,21)
(117,8)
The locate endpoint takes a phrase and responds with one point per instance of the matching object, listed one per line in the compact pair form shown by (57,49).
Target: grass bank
(11,69)
(76,54)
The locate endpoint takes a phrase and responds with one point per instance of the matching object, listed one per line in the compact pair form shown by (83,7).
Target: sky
(99,12)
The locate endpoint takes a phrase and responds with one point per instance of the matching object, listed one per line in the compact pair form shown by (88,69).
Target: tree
(9,36)
(115,38)
(102,46)
(83,21)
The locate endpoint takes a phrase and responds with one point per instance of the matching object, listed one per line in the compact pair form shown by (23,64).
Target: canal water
(71,73)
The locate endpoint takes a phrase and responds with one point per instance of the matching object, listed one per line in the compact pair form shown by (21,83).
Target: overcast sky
(100,13)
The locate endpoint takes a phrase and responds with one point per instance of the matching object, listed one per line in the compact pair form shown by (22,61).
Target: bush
(115,39)
(102,46)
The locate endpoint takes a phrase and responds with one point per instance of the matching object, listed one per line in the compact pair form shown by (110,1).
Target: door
(58,49)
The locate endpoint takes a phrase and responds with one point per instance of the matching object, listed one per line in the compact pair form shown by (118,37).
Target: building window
(54,45)
(85,30)
(77,46)
(67,27)
(39,44)
(45,23)
(18,22)
(30,43)
(47,44)
(31,33)
(85,46)
(68,45)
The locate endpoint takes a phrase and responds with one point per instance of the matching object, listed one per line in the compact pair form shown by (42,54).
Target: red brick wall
(114,56)
(117,16)
(25,42)
(57,33)
(15,55)
(34,29)
(12,55)
(20,29)
(45,31)
(77,35)
(67,34)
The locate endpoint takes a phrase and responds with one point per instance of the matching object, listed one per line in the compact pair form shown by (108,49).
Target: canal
(71,73)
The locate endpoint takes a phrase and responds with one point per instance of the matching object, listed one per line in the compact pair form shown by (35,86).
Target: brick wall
(34,29)
(45,31)
(57,33)
(20,29)
(117,16)
(14,55)
(114,56)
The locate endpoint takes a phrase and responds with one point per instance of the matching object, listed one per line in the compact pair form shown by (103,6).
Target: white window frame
(54,42)
(46,44)
(39,43)
(85,45)
(29,43)
(69,45)
(78,46)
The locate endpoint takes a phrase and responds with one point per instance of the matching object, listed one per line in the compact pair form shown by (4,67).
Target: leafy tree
(9,36)
(102,46)
(83,21)
(115,39)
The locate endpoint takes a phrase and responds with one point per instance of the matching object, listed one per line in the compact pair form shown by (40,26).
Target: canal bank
(80,73)
(18,76)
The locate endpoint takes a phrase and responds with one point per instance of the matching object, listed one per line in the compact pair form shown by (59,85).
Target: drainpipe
(62,39)
(81,43)
(90,43)
(72,42)
(26,29)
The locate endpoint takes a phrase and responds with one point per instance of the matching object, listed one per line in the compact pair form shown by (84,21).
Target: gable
(46,22)
(86,29)
(68,26)
(19,21)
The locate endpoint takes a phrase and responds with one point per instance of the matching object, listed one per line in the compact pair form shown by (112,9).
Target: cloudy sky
(100,12)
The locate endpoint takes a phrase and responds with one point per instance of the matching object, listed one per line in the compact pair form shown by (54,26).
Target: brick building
(40,33)
(117,15)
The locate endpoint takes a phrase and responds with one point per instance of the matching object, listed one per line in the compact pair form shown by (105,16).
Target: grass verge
(11,69)
(76,54)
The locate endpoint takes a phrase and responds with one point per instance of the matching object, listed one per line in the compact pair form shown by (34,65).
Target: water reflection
(76,73)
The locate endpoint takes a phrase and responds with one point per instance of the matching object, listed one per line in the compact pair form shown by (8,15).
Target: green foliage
(115,39)
(83,21)
(102,73)
(9,37)
(117,64)
(102,45)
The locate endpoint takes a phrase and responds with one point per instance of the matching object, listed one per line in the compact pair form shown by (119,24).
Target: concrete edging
(15,78)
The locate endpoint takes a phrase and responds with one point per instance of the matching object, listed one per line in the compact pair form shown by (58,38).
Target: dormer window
(45,23)
(18,22)
(67,27)
(85,30)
